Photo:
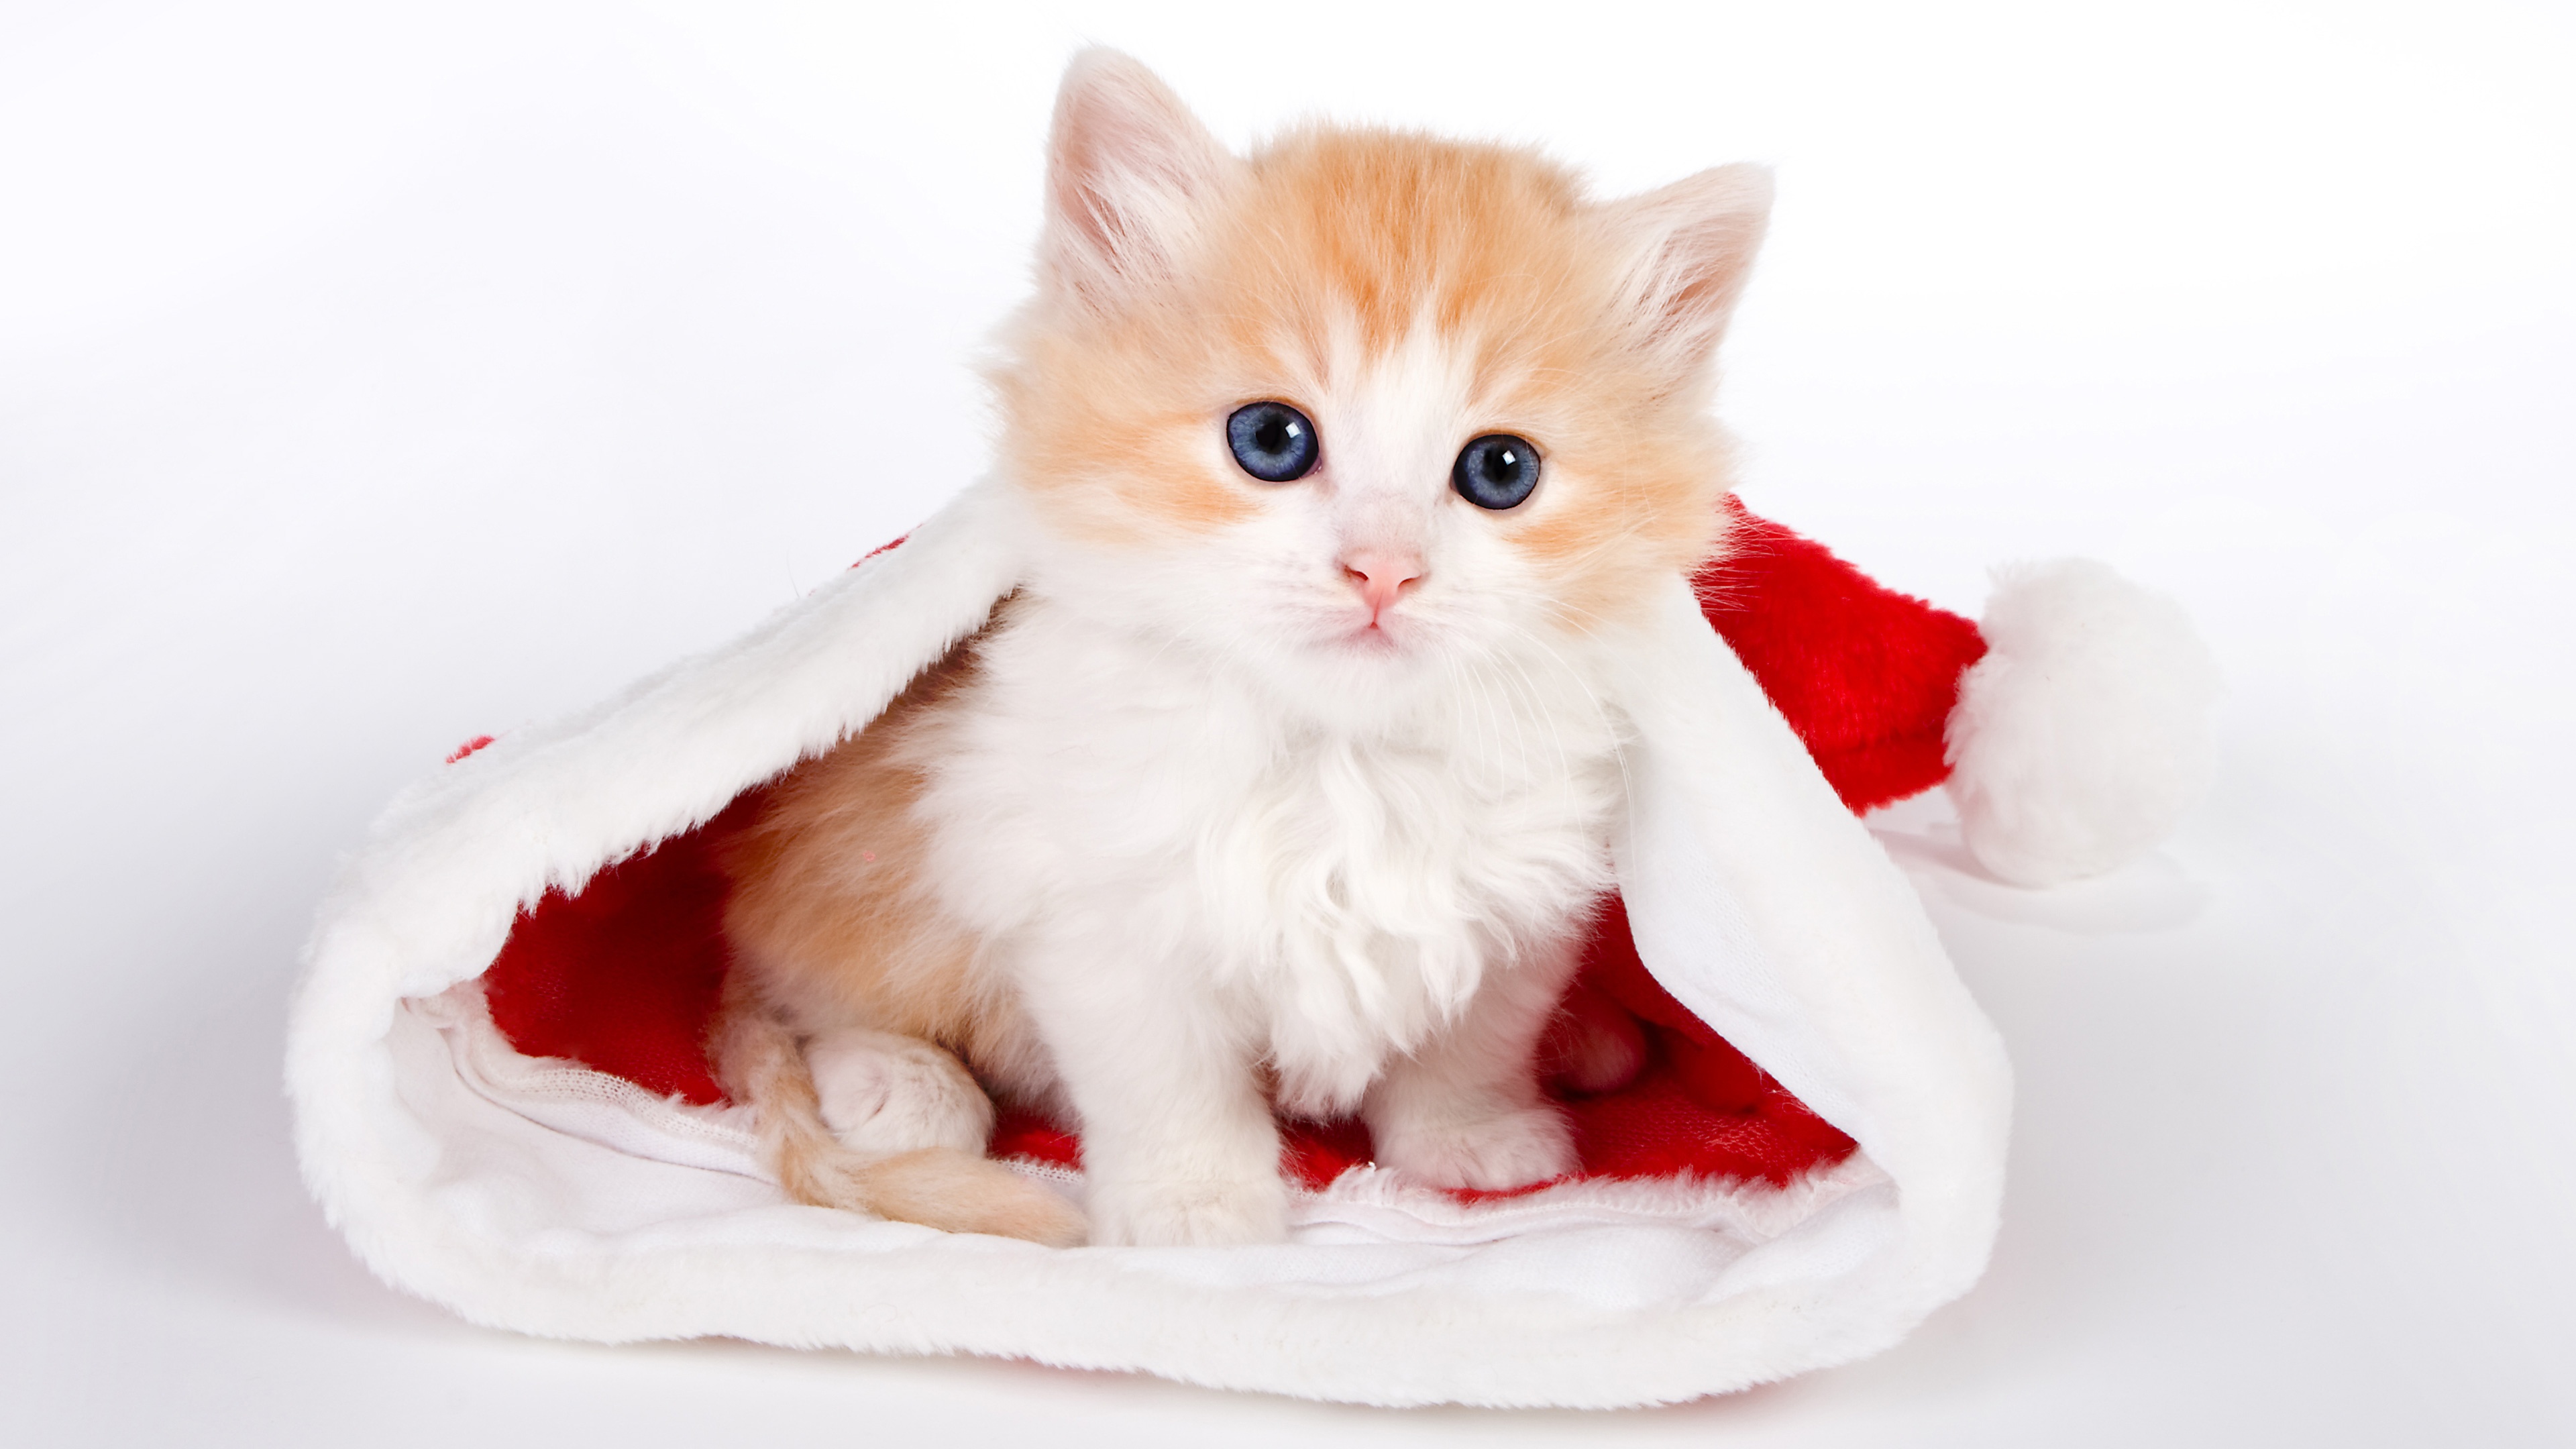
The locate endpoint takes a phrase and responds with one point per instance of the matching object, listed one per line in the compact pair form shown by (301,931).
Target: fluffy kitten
(1284,779)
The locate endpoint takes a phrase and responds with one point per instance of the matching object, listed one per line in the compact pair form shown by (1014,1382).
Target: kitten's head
(1365,406)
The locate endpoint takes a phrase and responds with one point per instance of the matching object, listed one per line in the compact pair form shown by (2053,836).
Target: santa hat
(1791,1115)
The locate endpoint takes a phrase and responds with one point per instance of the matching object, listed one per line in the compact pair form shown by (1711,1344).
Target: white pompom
(2083,736)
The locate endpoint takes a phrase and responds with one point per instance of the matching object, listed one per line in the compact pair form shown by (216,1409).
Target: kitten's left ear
(1128,171)
(1691,245)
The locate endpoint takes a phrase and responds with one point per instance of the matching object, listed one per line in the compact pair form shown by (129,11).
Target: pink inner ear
(626,974)
(1124,161)
(1701,233)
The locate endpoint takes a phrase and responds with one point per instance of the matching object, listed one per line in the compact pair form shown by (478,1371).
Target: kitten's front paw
(1201,1214)
(1507,1150)
(884,1095)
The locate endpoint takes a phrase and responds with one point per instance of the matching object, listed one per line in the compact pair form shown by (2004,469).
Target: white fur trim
(2083,736)
(551,1200)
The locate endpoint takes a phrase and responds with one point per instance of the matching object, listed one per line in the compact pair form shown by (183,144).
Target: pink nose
(1381,577)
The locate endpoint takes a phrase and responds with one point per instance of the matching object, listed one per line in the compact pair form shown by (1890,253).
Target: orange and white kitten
(1285,780)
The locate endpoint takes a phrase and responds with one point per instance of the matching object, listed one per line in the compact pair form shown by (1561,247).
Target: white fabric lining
(1365,1203)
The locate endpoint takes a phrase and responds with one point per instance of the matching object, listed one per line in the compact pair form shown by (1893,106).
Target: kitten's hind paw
(883,1094)
(1509,1149)
(1200,1214)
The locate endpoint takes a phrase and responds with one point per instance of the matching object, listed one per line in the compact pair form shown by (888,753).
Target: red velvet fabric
(1866,675)
(625,975)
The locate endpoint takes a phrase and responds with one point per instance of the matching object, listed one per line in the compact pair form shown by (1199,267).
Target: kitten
(1284,780)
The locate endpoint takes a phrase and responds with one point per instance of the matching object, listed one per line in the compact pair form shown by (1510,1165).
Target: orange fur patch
(830,926)
(829,919)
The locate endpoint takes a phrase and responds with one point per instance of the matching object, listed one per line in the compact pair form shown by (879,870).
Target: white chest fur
(1328,895)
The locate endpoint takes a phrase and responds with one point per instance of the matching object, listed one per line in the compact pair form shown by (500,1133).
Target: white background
(371,380)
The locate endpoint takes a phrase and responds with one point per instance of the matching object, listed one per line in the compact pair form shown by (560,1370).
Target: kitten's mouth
(1372,638)
(1362,633)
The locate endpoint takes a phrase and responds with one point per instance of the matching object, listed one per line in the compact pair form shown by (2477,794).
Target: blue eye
(1273,441)
(1496,471)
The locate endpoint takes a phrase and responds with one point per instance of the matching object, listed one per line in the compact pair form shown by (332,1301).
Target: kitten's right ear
(1691,245)
(1128,170)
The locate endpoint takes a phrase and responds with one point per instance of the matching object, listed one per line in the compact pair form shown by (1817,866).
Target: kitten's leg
(1178,1144)
(1466,1110)
(883,1094)
(760,1064)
